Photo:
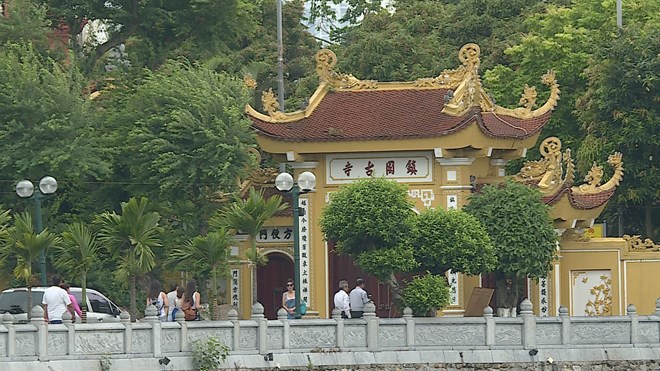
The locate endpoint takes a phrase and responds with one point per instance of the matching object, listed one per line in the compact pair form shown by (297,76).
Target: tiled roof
(392,114)
(590,201)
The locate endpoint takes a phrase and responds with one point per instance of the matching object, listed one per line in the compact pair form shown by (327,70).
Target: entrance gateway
(443,136)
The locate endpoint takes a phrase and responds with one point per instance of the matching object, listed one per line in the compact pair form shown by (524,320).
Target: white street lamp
(306,182)
(25,189)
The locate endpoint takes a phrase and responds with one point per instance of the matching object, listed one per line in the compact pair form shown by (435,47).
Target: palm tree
(131,238)
(77,254)
(209,254)
(249,216)
(23,243)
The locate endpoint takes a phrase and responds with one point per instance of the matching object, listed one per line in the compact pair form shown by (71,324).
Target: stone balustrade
(448,339)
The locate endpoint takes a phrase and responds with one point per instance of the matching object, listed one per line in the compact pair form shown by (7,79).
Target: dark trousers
(357,313)
(56,322)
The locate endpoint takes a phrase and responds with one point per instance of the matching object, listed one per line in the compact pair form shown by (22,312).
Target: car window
(15,302)
(99,303)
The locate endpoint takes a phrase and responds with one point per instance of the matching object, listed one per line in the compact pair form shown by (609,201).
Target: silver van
(99,307)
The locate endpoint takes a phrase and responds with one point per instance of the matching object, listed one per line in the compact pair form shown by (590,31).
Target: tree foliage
(371,220)
(131,237)
(426,294)
(188,138)
(619,113)
(452,240)
(521,229)
(78,253)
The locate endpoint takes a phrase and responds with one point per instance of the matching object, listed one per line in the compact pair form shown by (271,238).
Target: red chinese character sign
(409,167)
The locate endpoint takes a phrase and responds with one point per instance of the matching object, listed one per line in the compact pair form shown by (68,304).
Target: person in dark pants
(358,298)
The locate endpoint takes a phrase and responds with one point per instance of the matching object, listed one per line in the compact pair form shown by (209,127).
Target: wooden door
(271,282)
(341,267)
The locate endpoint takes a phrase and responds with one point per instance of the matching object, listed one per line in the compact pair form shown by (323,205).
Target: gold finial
(548,173)
(249,81)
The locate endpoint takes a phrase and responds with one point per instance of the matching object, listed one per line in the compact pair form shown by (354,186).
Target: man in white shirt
(56,301)
(358,298)
(342,302)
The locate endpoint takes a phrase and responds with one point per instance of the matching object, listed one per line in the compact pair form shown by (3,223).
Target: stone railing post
(125,320)
(8,321)
(232,315)
(657,307)
(372,326)
(565,325)
(151,316)
(67,320)
(180,318)
(339,328)
(490,326)
(529,324)
(410,327)
(37,319)
(262,330)
(634,324)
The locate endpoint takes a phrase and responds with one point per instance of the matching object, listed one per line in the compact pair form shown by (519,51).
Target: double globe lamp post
(25,189)
(306,182)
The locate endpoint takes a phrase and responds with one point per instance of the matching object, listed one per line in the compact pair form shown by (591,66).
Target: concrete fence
(332,341)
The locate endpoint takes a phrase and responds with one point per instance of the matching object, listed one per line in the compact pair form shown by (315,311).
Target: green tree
(49,127)
(371,220)
(522,232)
(248,215)
(77,254)
(188,140)
(209,256)
(153,30)
(26,23)
(426,294)
(131,238)
(619,113)
(25,245)
(452,240)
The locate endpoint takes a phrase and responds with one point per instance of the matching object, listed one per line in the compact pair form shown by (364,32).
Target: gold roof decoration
(469,92)
(548,173)
(271,105)
(635,243)
(463,83)
(595,176)
(249,81)
(325,68)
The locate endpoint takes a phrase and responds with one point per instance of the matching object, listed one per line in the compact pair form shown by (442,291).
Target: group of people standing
(351,304)
(186,299)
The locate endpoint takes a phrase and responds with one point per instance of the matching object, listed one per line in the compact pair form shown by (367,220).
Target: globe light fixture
(306,183)
(25,189)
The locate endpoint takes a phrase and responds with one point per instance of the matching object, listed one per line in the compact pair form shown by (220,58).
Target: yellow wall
(643,285)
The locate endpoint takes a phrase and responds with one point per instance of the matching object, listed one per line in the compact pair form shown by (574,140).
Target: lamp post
(306,182)
(25,189)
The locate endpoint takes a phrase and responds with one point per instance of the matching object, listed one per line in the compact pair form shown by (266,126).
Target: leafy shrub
(426,293)
(207,354)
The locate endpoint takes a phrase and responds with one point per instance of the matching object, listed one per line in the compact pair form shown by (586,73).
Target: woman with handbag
(191,302)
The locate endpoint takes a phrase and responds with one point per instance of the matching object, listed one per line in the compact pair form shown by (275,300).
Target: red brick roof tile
(392,114)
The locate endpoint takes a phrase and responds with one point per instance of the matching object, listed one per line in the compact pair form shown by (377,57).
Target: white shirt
(343,303)
(57,301)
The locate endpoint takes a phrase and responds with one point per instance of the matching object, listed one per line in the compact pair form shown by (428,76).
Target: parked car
(99,307)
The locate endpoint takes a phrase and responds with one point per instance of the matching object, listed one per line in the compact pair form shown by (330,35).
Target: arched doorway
(271,282)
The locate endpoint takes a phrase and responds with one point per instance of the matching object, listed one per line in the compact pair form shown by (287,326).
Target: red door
(271,282)
(341,267)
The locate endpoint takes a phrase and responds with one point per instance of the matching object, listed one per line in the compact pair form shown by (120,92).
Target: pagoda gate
(443,137)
